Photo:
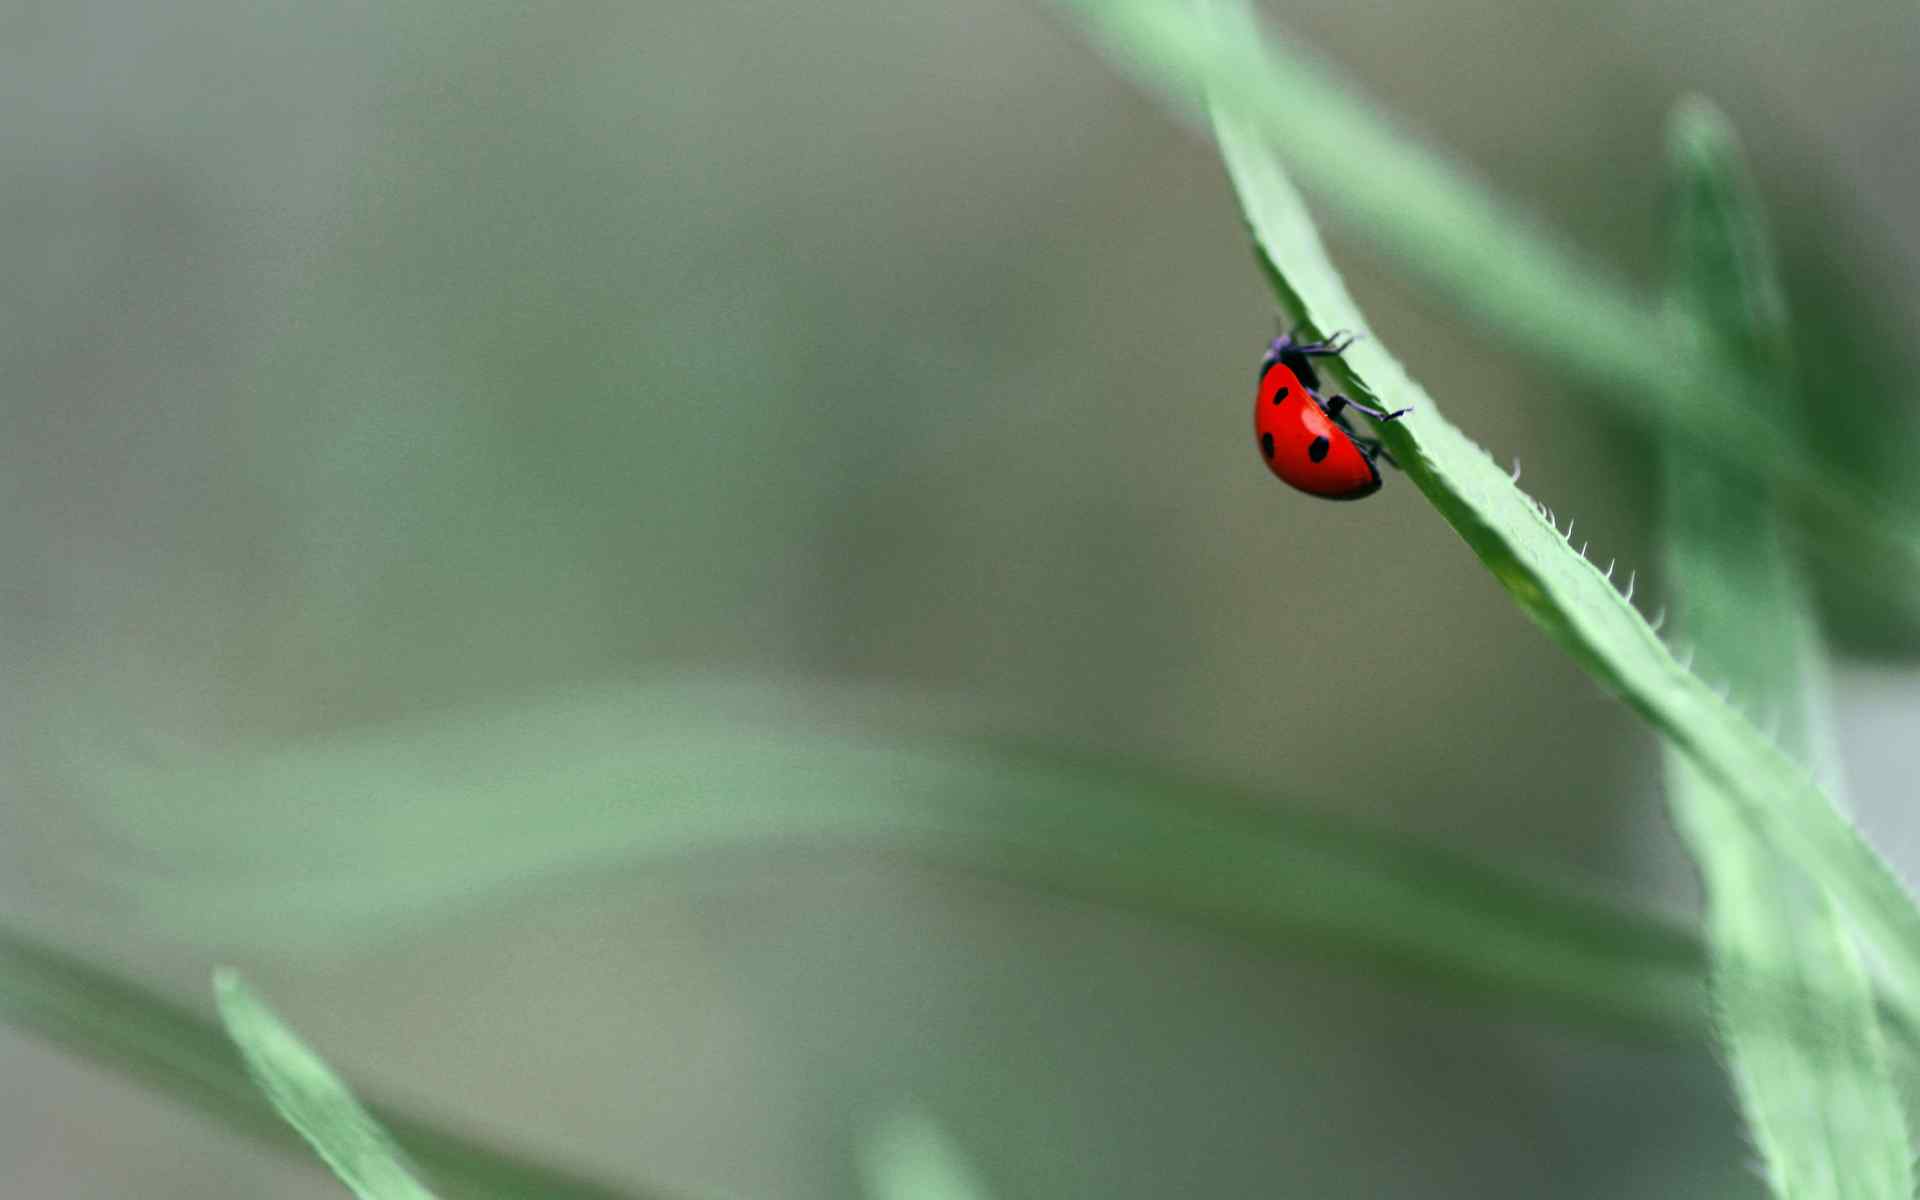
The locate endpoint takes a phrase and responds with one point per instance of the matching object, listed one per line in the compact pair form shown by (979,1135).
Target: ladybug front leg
(1325,348)
(1298,356)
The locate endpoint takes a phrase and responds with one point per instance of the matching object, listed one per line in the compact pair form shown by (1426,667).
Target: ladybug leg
(1330,347)
(1298,355)
(1339,402)
(1372,447)
(1285,346)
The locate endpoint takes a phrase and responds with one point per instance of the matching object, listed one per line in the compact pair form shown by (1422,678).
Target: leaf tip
(229,989)
(1699,130)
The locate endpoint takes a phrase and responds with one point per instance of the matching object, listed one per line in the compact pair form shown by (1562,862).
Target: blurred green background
(880,367)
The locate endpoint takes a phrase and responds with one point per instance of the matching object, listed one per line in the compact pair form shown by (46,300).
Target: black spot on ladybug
(1319,449)
(1281,395)
(1266,445)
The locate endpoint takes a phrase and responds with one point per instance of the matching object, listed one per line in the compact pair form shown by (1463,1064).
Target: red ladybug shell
(1301,443)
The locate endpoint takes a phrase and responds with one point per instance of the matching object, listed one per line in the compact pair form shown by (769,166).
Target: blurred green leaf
(142,1034)
(349,838)
(1496,265)
(1812,1074)
(907,1156)
(312,1098)
(1566,595)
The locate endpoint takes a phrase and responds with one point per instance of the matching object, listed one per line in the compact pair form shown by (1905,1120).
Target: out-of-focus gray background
(365,362)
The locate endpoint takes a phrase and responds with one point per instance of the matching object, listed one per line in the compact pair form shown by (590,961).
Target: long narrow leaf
(425,817)
(1494,264)
(1806,1051)
(313,1099)
(1567,596)
(130,1029)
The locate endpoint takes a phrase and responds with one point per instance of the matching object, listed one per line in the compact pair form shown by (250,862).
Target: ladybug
(1306,440)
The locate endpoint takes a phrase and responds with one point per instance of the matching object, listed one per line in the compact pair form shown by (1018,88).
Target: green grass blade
(1812,1074)
(1497,266)
(307,848)
(909,1157)
(313,1099)
(132,1030)
(1566,595)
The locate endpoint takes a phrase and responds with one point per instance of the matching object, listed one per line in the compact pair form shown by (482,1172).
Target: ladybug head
(1285,350)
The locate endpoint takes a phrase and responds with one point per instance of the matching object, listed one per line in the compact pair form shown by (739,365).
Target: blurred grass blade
(1566,595)
(149,1038)
(1812,1074)
(351,838)
(1487,260)
(909,1157)
(312,1098)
